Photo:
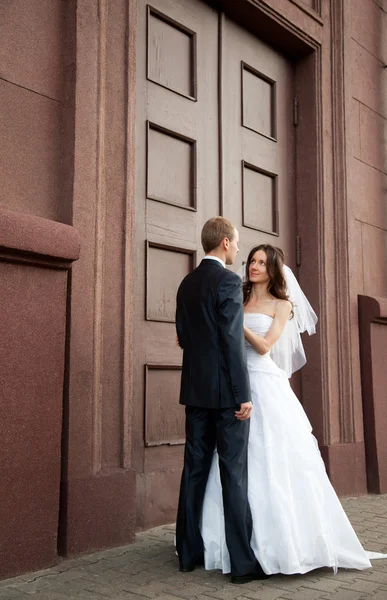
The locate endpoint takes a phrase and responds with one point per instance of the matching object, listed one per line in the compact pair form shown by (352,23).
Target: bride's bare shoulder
(283,306)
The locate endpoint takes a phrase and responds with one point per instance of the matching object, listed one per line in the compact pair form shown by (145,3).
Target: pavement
(148,569)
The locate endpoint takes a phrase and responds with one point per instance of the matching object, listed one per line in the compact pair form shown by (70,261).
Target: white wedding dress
(298,521)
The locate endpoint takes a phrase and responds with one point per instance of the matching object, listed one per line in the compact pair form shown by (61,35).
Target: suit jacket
(209,324)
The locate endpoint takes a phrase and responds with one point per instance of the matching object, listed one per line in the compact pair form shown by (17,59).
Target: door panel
(258,141)
(258,146)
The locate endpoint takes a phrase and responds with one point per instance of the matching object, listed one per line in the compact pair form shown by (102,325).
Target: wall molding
(129,241)
(100,234)
(340,205)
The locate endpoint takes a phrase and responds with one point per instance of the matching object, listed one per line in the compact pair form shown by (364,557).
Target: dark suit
(214,382)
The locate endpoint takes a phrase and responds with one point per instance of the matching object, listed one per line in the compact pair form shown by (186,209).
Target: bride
(298,521)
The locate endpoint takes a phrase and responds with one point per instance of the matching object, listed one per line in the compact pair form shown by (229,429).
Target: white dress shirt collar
(216,258)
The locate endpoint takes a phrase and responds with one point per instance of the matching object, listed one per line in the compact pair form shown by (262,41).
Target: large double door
(214,136)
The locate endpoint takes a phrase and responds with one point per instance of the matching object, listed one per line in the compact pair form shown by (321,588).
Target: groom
(215,391)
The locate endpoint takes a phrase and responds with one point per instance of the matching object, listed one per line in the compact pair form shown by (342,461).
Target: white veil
(288,351)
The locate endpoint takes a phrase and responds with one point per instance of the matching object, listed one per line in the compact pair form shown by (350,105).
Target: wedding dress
(298,521)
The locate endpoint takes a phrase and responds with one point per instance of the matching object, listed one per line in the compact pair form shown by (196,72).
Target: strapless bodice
(259,324)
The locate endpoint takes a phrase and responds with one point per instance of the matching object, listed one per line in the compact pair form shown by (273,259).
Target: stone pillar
(98,485)
(343,445)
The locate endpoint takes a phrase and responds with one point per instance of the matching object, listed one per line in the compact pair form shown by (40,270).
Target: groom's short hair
(214,231)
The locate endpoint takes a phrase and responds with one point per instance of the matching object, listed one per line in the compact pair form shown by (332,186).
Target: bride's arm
(262,345)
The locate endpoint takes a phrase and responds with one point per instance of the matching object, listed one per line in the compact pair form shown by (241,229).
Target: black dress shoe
(239,579)
(189,568)
(186,568)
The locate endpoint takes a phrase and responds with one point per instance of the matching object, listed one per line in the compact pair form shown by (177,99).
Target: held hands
(244,411)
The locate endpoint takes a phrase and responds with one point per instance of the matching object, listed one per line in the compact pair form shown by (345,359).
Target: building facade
(125,125)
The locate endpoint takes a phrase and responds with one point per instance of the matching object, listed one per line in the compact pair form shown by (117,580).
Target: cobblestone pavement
(148,570)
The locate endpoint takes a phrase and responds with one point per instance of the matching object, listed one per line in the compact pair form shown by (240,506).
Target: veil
(288,352)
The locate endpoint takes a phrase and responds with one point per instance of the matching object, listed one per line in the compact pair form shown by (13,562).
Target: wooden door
(214,136)
(177,183)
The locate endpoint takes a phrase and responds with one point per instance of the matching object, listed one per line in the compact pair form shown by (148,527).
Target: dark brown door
(214,136)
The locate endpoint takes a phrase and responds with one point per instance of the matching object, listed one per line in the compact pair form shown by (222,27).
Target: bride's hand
(244,411)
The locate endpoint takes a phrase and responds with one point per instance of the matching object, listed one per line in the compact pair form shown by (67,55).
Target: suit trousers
(205,430)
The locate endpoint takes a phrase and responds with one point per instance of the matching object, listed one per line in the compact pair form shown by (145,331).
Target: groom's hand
(244,411)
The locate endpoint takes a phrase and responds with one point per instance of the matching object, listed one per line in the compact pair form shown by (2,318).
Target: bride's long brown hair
(274,265)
